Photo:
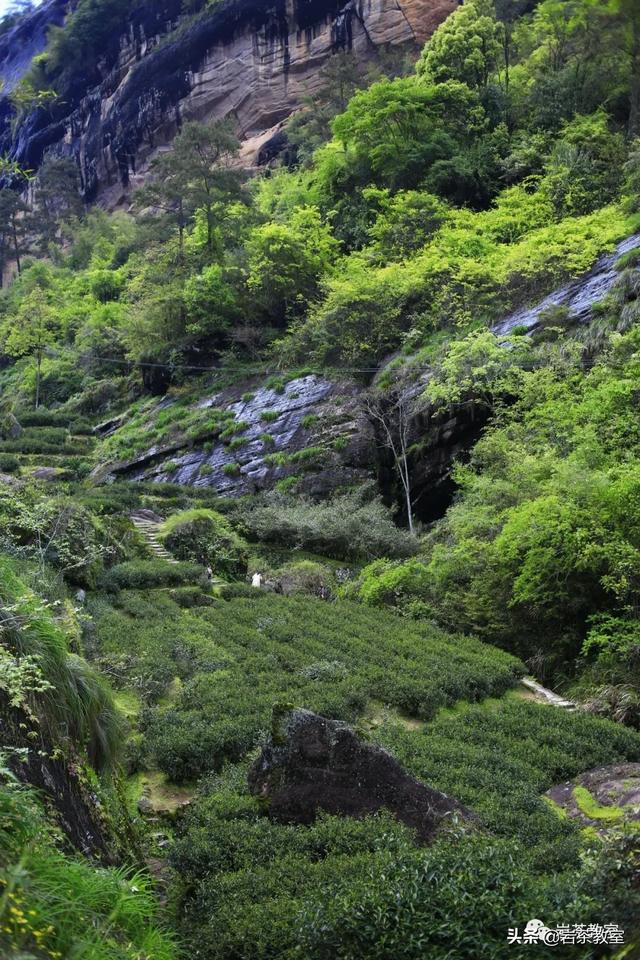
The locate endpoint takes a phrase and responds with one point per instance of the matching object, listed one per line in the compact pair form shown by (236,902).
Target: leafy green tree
(200,161)
(286,262)
(36,327)
(13,234)
(480,368)
(467,47)
(406,221)
(584,170)
(58,200)
(212,304)
(398,129)
(164,198)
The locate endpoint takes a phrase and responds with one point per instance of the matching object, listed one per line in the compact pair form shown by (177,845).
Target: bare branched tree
(391,415)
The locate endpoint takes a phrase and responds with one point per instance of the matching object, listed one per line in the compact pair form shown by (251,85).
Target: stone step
(542,693)
(149,529)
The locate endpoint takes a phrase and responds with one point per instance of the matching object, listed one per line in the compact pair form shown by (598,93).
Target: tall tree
(390,414)
(201,160)
(165,196)
(58,199)
(466,47)
(34,328)
(13,236)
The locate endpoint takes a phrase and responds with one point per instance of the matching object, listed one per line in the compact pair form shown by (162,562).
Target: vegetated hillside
(394,381)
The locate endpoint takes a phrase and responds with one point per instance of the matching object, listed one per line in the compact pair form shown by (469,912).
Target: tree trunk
(16,246)
(209,229)
(38,367)
(181,226)
(634,111)
(407,493)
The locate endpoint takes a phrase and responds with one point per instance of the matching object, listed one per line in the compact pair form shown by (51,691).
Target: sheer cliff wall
(252,59)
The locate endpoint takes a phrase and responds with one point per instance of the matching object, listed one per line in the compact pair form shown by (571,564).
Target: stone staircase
(148,523)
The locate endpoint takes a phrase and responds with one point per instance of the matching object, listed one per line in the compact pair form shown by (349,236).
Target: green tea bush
(205,537)
(229,591)
(361,888)
(499,758)
(46,434)
(410,906)
(32,444)
(266,649)
(9,463)
(143,574)
(44,418)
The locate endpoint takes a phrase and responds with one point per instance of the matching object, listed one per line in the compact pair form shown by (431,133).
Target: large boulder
(313,764)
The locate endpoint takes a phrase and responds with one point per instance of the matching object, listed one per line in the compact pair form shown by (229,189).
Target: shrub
(269,416)
(287,484)
(345,527)
(9,463)
(310,456)
(44,418)
(206,537)
(238,442)
(260,651)
(141,574)
(499,758)
(60,529)
(229,591)
(305,576)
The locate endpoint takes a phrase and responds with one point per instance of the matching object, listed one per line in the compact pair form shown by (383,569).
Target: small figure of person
(256,580)
(209,573)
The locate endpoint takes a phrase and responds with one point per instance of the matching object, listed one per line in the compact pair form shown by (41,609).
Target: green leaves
(478,368)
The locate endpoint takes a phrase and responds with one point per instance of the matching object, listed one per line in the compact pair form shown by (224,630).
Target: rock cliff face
(252,59)
(258,464)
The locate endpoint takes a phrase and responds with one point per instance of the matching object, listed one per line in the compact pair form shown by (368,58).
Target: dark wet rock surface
(25,40)
(75,807)
(577,296)
(281,415)
(312,764)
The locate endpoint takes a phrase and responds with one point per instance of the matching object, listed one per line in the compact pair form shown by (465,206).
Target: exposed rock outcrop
(75,806)
(24,41)
(253,59)
(312,764)
(275,431)
(602,798)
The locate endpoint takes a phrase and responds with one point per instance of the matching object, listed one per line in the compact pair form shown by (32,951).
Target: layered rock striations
(252,59)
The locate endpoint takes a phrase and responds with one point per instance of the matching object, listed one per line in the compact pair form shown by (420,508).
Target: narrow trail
(148,523)
(547,696)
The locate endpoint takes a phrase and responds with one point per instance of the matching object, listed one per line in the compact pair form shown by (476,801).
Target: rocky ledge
(310,429)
